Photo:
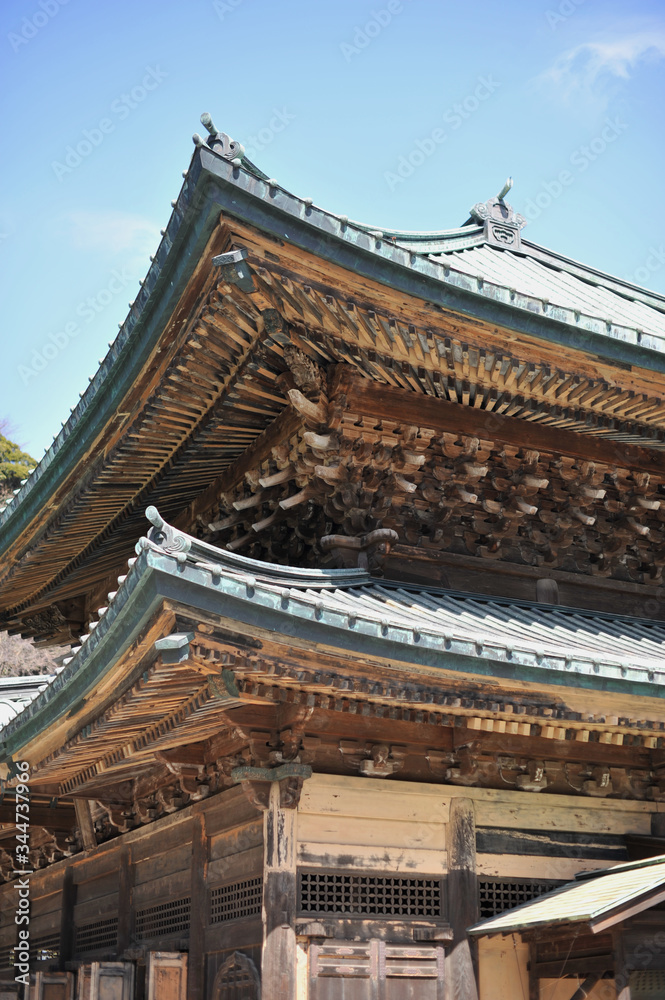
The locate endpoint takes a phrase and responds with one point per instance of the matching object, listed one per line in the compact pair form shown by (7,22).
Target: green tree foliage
(15,465)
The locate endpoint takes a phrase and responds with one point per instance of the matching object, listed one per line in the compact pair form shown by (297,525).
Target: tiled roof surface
(587,900)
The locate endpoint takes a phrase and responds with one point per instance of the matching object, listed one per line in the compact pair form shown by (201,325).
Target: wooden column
(279,957)
(85,824)
(125,899)
(621,972)
(463,910)
(68,899)
(197,926)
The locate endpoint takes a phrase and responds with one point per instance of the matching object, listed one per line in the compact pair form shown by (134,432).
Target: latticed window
(369,895)
(497,895)
(167,919)
(236,900)
(99,935)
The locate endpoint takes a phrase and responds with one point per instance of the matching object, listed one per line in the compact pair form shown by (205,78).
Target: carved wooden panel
(237,979)
(167,975)
(52,986)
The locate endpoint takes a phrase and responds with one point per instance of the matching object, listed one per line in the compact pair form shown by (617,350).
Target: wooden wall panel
(232,867)
(164,865)
(503,968)
(372,824)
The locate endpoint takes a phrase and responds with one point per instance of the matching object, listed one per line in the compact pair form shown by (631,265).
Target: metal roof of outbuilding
(598,902)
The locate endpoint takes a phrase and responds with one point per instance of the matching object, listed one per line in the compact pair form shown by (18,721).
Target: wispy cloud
(111,232)
(592,72)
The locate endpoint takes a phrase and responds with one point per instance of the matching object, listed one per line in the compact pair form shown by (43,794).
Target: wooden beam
(85,824)
(60,818)
(385,402)
(280,430)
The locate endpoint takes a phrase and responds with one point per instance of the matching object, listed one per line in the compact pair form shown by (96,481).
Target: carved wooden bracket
(369,551)
(256,782)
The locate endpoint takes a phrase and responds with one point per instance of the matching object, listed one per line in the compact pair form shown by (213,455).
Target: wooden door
(375,970)
(167,975)
(106,981)
(237,980)
(52,986)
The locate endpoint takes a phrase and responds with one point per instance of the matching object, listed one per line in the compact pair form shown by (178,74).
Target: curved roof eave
(213,184)
(333,609)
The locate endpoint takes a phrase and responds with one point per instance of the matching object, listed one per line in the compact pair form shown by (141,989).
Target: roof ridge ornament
(220,142)
(502,224)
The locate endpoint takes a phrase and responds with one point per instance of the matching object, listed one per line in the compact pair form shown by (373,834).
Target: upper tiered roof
(475,315)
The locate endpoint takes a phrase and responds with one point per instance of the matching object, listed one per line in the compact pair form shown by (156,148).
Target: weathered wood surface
(199,917)
(462,892)
(166,976)
(278,963)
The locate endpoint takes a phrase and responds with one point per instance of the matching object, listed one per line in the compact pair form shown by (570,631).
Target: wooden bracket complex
(256,783)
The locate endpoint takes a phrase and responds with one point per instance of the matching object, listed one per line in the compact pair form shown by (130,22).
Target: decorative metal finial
(502,224)
(220,142)
(207,123)
(504,190)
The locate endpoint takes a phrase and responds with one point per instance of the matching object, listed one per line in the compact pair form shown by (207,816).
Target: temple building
(357,537)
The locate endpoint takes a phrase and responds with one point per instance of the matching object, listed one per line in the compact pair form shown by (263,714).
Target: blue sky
(331,98)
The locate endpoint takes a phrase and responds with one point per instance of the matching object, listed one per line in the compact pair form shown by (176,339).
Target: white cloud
(113,233)
(591,72)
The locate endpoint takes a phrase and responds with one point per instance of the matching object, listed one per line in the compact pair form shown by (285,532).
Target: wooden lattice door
(237,979)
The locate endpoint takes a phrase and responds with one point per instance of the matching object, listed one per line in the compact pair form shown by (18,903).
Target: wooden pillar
(278,963)
(534,979)
(85,824)
(125,899)
(68,899)
(621,972)
(463,909)
(198,920)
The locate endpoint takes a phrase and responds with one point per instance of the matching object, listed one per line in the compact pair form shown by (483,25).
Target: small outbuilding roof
(597,900)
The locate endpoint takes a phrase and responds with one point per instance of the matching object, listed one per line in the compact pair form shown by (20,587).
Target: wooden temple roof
(290,390)
(194,632)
